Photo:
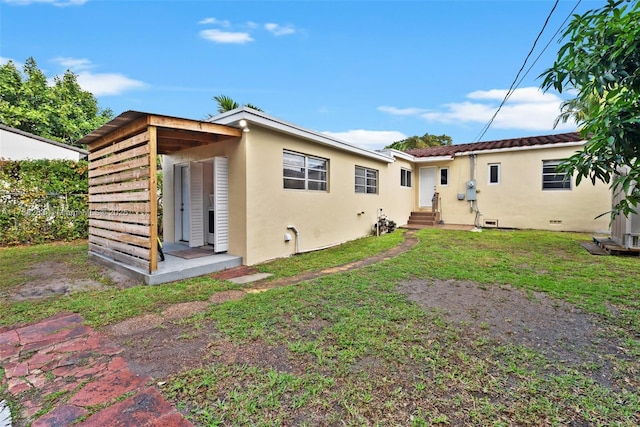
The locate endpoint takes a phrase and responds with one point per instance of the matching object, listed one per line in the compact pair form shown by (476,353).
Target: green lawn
(352,350)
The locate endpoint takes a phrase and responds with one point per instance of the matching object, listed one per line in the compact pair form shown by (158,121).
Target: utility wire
(515,80)
(560,28)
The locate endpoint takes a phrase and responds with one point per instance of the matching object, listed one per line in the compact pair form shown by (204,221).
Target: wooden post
(153,198)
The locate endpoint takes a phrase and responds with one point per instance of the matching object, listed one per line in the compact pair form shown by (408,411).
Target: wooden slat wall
(122,199)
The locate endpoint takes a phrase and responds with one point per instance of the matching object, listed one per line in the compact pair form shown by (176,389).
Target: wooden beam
(120,177)
(123,155)
(132,196)
(119,256)
(165,134)
(153,199)
(120,237)
(119,187)
(123,227)
(122,145)
(116,208)
(120,133)
(131,164)
(186,124)
(141,219)
(120,247)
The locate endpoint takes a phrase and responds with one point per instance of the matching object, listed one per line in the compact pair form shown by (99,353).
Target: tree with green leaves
(226,103)
(601,61)
(424,141)
(63,111)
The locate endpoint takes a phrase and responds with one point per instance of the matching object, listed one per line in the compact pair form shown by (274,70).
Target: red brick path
(91,382)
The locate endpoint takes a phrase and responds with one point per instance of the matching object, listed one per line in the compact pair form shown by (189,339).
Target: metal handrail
(435,202)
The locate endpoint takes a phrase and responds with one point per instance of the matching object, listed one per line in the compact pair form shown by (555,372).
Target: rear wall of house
(518,200)
(322,218)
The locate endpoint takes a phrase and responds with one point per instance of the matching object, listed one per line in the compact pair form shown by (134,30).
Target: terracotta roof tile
(529,141)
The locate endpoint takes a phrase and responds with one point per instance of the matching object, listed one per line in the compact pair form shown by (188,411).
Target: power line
(560,28)
(515,80)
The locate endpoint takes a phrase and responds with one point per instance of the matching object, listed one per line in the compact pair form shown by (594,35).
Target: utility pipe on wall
(295,231)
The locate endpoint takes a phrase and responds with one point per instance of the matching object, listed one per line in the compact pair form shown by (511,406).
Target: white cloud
(4,60)
(402,111)
(525,95)
(101,84)
(218,36)
(527,109)
(278,30)
(60,3)
(222,23)
(74,64)
(369,139)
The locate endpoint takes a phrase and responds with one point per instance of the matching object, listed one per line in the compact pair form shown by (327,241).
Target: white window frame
(440,170)
(406,179)
(364,180)
(307,168)
(556,178)
(498,173)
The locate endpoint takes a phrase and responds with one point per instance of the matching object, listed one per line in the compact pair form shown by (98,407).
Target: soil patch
(554,328)
(49,278)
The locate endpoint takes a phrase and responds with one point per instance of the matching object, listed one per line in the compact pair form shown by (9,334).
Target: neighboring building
(256,187)
(16,144)
(512,184)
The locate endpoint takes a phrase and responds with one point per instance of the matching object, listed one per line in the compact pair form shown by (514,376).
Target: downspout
(295,231)
(473,163)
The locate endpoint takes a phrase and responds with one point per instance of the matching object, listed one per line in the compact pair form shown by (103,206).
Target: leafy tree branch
(601,61)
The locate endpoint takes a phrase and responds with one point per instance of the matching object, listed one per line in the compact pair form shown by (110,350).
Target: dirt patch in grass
(556,329)
(52,278)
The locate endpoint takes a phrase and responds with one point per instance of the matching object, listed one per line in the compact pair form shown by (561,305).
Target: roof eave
(525,148)
(260,118)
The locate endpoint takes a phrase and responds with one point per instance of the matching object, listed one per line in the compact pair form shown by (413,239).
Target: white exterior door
(427,186)
(221,197)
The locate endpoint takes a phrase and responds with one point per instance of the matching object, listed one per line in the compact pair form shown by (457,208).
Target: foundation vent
(490,223)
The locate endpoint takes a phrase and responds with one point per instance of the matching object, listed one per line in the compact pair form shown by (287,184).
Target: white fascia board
(391,152)
(530,147)
(257,117)
(434,159)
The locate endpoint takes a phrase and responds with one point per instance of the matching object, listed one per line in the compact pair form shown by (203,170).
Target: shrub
(42,201)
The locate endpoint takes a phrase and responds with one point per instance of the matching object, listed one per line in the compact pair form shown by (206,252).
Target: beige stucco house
(256,187)
(513,184)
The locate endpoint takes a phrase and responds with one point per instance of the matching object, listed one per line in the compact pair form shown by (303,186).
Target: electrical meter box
(471,190)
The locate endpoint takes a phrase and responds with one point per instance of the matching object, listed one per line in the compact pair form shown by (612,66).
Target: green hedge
(43,201)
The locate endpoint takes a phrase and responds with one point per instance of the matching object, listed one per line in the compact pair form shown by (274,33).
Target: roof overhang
(527,148)
(260,118)
(173,133)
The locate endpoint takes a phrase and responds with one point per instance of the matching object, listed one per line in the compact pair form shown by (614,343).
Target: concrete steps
(423,218)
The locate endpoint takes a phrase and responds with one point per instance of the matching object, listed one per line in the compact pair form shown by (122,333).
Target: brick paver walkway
(66,372)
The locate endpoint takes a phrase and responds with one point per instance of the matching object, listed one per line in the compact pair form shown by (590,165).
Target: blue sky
(368,72)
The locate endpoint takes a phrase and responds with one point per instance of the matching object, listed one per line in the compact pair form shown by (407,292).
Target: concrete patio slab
(173,268)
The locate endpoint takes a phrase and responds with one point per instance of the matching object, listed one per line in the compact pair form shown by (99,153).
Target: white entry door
(189,204)
(427,186)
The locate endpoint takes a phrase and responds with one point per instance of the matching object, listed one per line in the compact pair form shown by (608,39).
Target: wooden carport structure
(123,199)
